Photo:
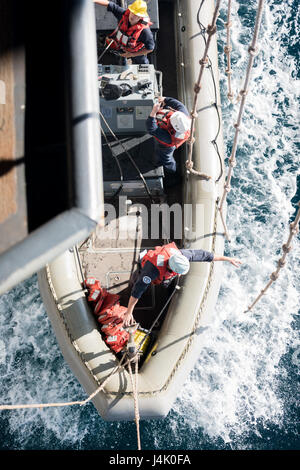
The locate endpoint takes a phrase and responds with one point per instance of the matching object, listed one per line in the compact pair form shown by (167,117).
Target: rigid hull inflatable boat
(135,192)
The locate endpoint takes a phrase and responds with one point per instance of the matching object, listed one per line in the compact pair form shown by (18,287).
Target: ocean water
(242,393)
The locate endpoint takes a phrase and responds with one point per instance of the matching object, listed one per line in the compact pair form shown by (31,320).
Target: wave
(240,393)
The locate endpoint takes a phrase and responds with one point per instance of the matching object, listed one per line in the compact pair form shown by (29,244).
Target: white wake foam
(235,387)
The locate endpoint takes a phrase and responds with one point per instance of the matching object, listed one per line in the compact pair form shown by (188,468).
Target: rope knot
(232,162)
(228,72)
(197,88)
(253,50)
(280,263)
(227,49)
(243,92)
(274,276)
(189,164)
(294,229)
(286,248)
(203,61)
(228,24)
(211,29)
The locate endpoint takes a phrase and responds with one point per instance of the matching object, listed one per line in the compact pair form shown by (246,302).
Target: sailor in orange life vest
(169,123)
(163,264)
(132,36)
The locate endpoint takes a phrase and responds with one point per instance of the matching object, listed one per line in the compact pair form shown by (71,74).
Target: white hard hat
(181,123)
(179,263)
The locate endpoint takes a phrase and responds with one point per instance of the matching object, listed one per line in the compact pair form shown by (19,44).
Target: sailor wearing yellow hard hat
(133,36)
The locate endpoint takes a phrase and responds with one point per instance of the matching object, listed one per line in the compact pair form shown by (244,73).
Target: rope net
(286,248)
(211,30)
(252,51)
(227,50)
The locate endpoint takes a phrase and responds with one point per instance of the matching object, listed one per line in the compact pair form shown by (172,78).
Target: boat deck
(133,222)
(111,254)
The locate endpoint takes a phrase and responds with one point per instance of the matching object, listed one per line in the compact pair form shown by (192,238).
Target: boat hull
(191,311)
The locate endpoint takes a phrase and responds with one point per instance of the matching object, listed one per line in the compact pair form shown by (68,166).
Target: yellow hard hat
(138,8)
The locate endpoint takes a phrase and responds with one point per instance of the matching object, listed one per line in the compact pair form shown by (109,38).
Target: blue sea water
(243,392)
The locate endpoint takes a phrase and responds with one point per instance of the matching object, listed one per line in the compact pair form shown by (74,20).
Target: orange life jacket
(110,314)
(163,121)
(126,36)
(115,336)
(117,342)
(159,257)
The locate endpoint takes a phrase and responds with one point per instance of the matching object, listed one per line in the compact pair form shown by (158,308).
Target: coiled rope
(286,247)
(252,50)
(211,30)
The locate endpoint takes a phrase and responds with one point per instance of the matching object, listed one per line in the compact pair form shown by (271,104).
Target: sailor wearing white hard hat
(162,265)
(169,123)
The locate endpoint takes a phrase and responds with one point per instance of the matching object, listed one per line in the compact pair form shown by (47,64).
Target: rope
(176,288)
(211,29)
(227,50)
(128,154)
(252,50)
(106,49)
(164,231)
(215,104)
(117,162)
(83,402)
(195,324)
(135,396)
(80,266)
(281,262)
